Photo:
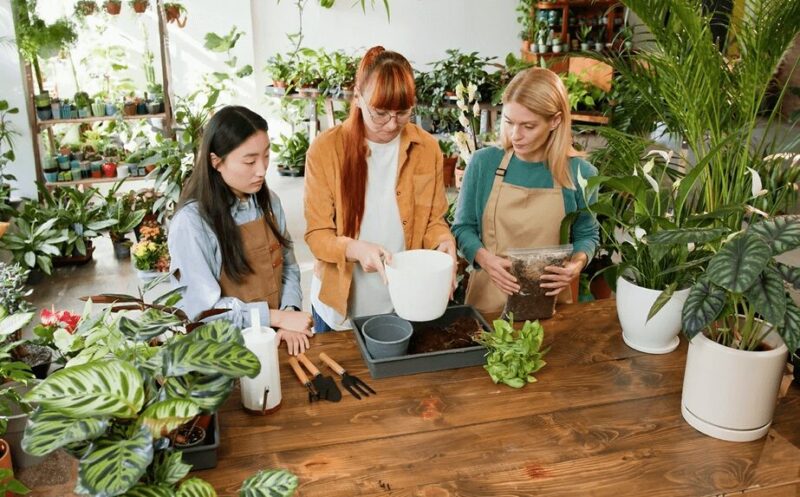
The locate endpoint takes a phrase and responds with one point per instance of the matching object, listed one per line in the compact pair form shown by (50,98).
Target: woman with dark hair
(373,187)
(228,240)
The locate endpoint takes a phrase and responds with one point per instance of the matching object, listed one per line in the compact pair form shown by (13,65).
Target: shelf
(91,181)
(82,120)
(576,3)
(589,118)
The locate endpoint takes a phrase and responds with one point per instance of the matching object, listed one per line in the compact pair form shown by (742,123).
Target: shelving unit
(38,127)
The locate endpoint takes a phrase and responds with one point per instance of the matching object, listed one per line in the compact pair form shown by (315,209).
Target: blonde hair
(542,92)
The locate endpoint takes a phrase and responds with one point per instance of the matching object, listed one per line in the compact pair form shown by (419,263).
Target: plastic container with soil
(202,454)
(527,266)
(443,343)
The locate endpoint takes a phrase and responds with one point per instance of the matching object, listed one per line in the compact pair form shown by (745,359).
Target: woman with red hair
(373,187)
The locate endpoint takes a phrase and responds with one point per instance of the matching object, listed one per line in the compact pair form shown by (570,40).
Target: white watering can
(262,394)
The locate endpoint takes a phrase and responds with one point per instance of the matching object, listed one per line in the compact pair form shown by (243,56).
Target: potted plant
(585,36)
(526,20)
(150,255)
(13,277)
(598,42)
(85,7)
(449,160)
(339,73)
(7,134)
(139,6)
(121,210)
(741,323)
(625,36)
(13,410)
(173,11)
(281,70)
(34,242)
(543,37)
(114,407)
(291,153)
(113,7)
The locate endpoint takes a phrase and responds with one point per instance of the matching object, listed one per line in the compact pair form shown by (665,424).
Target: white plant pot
(660,334)
(542,48)
(122,171)
(585,47)
(146,276)
(420,283)
(731,394)
(557,48)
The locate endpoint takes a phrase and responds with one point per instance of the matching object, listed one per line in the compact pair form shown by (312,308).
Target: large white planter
(731,394)
(660,334)
(419,283)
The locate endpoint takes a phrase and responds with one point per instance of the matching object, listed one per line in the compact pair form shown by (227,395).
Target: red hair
(392,80)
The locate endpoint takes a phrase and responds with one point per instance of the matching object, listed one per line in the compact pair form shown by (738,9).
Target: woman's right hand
(371,256)
(498,270)
(290,320)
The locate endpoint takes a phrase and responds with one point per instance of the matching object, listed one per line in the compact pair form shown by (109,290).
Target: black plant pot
(122,250)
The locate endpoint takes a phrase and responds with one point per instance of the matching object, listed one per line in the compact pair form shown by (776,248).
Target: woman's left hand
(296,341)
(449,248)
(559,277)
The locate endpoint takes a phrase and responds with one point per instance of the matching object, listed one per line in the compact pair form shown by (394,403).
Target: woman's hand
(290,320)
(497,268)
(371,256)
(559,277)
(296,341)
(449,248)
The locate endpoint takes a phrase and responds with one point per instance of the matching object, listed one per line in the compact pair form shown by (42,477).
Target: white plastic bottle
(262,394)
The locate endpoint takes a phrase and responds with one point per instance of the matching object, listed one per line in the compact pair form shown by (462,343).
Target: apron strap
(500,173)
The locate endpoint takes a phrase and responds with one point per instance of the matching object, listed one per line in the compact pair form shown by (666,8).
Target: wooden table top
(603,420)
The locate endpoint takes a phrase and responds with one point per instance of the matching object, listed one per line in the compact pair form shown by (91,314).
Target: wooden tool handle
(298,370)
(331,363)
(308,364)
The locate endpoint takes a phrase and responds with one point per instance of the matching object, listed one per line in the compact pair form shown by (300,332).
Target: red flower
(62,319)
(48,317)
(69,320)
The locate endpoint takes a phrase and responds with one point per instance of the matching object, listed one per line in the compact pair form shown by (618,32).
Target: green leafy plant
(513,355)
(7,134)
(291,151)
(330,3)
(526,20)
(116,412)
(583,96)
(743,281)
(584,33)
(280,69)
(120,210)
(226,43)
(34,243)
(338,71)
(78,212)
(12,289)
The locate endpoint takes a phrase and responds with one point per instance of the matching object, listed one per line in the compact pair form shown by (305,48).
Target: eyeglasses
(382,117)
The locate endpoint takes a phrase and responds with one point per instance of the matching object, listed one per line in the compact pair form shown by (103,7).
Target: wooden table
(603,420)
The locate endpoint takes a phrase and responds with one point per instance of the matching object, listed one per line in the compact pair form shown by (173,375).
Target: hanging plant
(173,11)
(85,8)
(139,6)
(113,7)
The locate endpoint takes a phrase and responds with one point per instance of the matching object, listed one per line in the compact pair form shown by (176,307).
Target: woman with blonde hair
(373,187)
(516,196)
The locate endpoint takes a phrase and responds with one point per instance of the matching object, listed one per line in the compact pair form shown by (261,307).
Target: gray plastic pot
(387,336)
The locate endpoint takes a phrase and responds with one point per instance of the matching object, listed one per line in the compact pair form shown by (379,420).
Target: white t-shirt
(380,224)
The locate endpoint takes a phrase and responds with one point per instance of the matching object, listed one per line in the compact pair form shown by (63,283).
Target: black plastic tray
(204,455)
(430,361)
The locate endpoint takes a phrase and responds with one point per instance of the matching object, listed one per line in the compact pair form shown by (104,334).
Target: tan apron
(264,253)
(515,217)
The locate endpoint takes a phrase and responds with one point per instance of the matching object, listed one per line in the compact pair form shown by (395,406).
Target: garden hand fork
(352,383)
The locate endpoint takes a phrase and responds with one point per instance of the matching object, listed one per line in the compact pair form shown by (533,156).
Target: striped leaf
(163,417)
(791,327)
(96,389)
(14,322)
(220,330)
(702,307)
(113,466)
(790,274)
(769,296)
(781,233)
(685,236)
(208,392)
(170,468)
(230,359)
(48,431)
(149,491)
(150,324)
(195,487)
(739,262)
(270,483)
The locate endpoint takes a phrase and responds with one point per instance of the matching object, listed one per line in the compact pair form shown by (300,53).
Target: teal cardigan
(477,186)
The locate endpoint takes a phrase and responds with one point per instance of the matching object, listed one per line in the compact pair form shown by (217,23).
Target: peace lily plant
(132,380)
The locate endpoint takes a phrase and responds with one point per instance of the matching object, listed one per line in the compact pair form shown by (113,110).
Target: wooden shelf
(589,118)
(82,120)
(91,181)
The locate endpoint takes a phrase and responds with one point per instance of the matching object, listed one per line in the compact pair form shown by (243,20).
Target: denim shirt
(196,255)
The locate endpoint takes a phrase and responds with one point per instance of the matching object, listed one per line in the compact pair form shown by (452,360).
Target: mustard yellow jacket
(421,201)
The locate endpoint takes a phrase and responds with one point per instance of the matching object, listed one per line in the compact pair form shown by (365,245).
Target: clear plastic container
(527,265)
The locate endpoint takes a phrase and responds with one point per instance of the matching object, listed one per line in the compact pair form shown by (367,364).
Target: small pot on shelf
(109,169)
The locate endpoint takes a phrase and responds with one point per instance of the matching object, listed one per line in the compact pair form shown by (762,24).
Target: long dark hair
(229,128)
(393,90)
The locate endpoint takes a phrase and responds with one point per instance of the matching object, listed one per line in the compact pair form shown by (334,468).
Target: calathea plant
(114,409)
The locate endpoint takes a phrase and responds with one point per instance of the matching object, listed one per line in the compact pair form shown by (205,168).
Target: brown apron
(515,217)
(264,253)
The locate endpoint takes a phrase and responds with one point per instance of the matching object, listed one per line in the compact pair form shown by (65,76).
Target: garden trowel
(325,386)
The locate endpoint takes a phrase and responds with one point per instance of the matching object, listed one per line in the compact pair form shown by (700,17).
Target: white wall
(12,89)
